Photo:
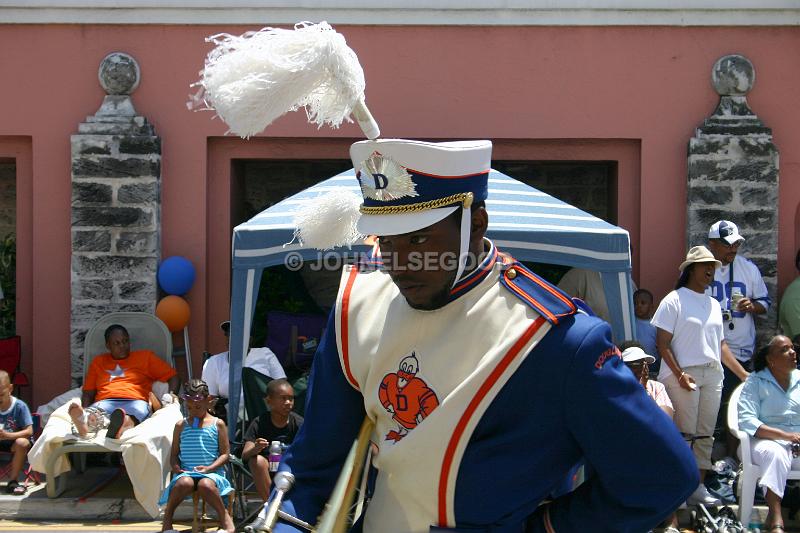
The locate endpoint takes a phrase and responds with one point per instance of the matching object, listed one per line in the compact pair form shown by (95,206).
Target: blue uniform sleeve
(750,407)
(641,467)
(333,416)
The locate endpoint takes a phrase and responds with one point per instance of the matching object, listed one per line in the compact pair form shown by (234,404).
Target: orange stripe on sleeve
(345,329)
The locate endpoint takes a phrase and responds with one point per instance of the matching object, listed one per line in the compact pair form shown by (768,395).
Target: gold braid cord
(464,198)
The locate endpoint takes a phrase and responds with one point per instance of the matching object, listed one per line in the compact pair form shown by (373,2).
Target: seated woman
(769,410)
(120,383)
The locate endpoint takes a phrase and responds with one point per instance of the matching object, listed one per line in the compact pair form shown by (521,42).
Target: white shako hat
(409,185)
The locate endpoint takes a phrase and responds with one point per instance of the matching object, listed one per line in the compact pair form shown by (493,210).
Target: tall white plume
(252,79)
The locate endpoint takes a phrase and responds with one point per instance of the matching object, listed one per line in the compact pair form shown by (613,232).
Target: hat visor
(398,224)
(733,239)
(717,263)
(647,358)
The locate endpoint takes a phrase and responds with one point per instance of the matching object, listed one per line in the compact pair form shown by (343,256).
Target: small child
(15,433)
(200,448)
(280,424)
(645,331)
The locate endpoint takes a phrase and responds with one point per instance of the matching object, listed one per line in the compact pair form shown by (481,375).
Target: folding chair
(10,357)
(199,516)
(254,387)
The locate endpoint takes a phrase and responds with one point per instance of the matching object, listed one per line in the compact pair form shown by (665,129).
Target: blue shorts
(138,409)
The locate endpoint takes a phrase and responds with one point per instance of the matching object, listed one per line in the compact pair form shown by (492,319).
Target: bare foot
(76,414)
(227,523)
(155,403)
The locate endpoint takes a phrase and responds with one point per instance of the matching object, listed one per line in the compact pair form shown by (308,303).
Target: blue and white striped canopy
(523,221)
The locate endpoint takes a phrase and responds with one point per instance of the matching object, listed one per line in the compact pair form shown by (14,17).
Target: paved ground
(65,527)
(98,500)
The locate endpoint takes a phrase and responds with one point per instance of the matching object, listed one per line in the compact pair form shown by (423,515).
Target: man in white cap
(742,294)
(486,384)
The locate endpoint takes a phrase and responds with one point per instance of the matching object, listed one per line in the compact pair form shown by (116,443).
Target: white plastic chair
(750,472)
(147,332)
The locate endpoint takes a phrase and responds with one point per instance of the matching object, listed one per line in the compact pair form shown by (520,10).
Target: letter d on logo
(381,181)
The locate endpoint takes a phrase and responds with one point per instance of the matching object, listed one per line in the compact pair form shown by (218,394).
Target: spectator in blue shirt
(645,331)
(769,410)
(16,429)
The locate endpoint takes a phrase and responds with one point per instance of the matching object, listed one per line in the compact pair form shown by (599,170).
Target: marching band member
(487,385)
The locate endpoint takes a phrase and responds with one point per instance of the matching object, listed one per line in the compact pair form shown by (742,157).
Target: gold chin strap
(463,198)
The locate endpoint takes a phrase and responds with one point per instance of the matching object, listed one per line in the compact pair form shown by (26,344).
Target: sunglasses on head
(193,398)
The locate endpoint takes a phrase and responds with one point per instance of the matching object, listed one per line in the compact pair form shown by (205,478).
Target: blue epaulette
(545,298)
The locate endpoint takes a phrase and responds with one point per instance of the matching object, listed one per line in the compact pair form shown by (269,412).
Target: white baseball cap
(725,230)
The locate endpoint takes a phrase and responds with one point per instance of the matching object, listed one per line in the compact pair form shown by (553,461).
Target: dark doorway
(8,247)
(588,185)
(259,184)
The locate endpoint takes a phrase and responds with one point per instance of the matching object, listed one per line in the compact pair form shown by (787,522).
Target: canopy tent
(524,222)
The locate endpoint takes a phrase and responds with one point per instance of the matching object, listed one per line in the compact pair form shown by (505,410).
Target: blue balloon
(176,275)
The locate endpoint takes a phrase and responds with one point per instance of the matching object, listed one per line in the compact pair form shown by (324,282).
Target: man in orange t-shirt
(120,382)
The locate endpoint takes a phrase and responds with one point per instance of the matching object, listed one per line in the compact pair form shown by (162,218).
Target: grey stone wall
(8,199)
(116,168)
(733,175)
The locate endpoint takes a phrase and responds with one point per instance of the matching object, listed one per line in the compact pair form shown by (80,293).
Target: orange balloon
(174,312)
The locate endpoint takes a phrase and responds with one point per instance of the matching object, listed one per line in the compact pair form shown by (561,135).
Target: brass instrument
(339,513)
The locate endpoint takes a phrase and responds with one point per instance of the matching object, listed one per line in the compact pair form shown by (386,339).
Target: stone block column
(733,175)
(116,168)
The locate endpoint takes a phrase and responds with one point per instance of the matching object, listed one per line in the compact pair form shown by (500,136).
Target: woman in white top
(691,343)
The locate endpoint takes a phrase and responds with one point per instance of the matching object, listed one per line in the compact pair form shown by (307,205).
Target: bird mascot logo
(406,397)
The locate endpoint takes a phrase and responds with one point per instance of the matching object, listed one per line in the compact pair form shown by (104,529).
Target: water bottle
(754,526)
(275,453)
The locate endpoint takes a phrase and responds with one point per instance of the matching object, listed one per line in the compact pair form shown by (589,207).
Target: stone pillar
(116,167)
(733,175)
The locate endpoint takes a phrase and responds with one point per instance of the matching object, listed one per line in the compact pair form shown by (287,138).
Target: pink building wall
(632,93)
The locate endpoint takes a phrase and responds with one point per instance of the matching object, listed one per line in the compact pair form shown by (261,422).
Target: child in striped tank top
(200,448)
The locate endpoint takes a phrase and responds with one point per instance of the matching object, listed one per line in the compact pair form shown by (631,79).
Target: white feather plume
(252,79)
(328,221)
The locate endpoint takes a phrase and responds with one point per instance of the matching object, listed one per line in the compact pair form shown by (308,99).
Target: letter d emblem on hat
(390,180)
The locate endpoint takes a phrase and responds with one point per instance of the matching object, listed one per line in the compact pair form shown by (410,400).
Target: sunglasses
(726,245)
(195,398)
(637,364)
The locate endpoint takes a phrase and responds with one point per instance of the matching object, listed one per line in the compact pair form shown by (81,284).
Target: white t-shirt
(748,280)
(695,321)
(217,368)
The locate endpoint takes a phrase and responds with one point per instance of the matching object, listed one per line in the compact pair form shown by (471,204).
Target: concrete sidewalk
(101,493)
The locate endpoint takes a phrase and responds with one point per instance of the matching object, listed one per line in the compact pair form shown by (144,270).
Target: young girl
(199,450)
